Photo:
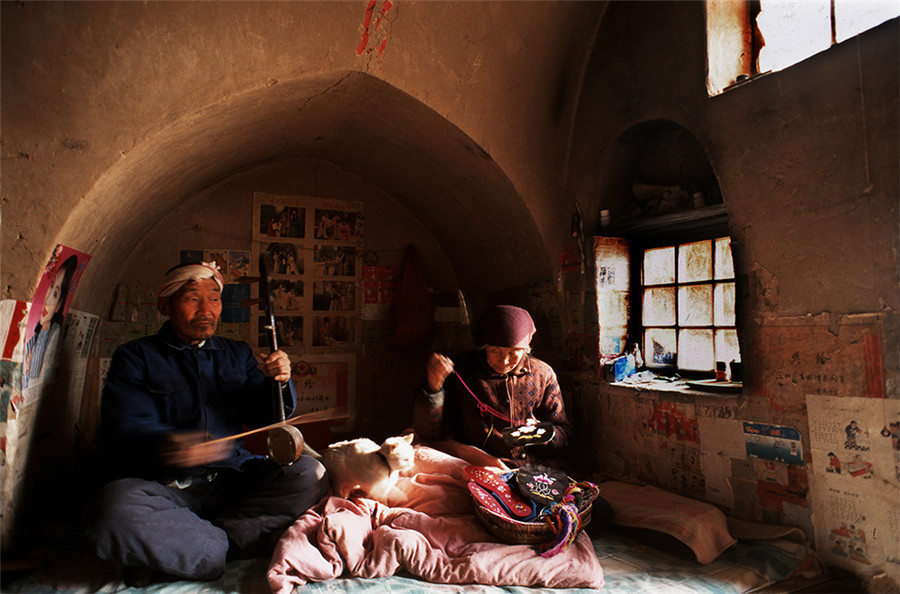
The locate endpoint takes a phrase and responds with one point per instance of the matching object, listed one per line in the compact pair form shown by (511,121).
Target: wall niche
(661,170)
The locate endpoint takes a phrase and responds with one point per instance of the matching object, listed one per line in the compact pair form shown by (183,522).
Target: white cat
(362,466)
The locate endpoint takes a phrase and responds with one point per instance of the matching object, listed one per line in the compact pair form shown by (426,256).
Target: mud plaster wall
(115,112)
(807,161)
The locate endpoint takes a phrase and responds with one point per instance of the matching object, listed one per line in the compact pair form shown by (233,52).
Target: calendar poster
(855,446)
(325,382)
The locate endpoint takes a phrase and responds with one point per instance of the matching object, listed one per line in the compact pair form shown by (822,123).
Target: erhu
(284,441)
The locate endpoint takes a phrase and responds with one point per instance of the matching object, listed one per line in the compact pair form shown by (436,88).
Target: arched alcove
(354,121)
(340,134)
(658,167)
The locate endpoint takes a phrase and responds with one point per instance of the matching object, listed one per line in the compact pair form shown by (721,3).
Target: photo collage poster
(314,246)
(234,265)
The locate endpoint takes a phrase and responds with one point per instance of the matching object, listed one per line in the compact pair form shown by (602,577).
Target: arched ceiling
(356,121)
(115,112)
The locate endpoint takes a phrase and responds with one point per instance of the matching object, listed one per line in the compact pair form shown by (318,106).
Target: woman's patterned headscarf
(506,326)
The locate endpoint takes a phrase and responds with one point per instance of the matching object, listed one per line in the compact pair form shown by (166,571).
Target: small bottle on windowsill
(721,371)
(605,218)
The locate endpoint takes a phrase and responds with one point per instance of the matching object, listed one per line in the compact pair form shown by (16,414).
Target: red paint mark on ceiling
(370,28)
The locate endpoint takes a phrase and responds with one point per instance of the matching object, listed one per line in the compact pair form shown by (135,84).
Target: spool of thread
(605,219)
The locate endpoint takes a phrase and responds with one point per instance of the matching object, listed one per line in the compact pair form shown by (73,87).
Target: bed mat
(629,565)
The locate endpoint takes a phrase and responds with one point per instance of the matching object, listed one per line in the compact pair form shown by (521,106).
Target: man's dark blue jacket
(157,385)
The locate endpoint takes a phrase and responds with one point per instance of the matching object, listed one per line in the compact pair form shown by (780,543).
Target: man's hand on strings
(277,366)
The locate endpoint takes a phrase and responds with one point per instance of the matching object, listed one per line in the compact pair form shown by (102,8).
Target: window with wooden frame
(687,306)
(668,285)
(665,279)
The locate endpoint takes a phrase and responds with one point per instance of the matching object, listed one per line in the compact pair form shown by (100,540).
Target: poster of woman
(46,317)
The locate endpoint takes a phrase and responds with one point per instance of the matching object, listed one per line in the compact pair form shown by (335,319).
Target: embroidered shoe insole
(485,499)
(492,482)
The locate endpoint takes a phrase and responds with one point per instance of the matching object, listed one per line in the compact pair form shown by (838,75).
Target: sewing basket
(538,532)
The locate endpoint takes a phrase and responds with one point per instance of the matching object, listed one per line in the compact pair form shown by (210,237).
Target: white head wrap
(181,275)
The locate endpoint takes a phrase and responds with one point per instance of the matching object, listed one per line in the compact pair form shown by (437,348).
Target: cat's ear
(408,438)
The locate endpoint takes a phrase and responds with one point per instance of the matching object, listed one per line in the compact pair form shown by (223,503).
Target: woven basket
(533,533)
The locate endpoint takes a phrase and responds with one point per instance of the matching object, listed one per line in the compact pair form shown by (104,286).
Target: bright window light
(786,32)
(852,17)
(793,31)
(688,305)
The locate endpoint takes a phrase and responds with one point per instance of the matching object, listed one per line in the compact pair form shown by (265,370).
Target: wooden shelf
(704,215)
(713,217)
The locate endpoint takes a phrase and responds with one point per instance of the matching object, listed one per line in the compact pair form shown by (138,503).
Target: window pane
(724,304)
(659,306)
(612,265)
(659,266)
(695,350)
(727,348)
(689,317)
(695,262)
(724,264)
(793,31)
(659,346)
(852,17)
(695,305)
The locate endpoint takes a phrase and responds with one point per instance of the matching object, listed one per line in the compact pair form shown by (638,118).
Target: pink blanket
(429,530)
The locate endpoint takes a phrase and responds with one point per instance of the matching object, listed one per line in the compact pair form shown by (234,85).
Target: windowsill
(743,80)
(675,386)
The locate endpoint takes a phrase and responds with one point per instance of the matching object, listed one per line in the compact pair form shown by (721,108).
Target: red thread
(484,408)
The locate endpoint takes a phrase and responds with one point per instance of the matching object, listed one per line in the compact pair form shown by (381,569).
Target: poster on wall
(855,444)
(824,355)
(13,317)
(773,442)
(314,245)
(78,340)
(46,318)
(232,264)
(325,382)
(33,336)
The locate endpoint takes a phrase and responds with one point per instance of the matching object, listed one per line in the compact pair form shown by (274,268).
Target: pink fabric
(435,536)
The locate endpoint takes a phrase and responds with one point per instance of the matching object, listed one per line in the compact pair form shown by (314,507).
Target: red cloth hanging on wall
(414,316)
